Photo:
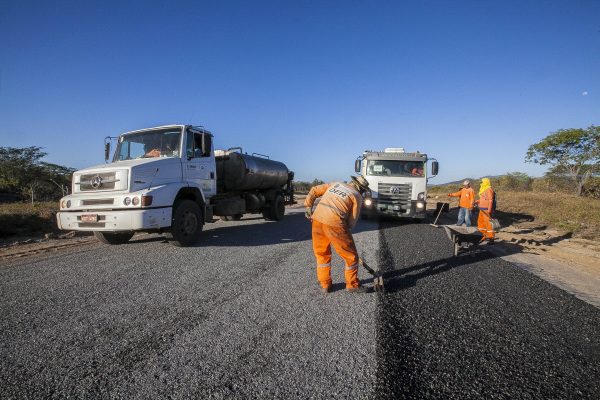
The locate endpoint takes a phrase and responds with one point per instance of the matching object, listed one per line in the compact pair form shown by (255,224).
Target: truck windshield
(154,143)
(395,168)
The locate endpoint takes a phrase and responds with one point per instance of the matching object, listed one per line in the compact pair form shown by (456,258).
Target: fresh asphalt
(241,316)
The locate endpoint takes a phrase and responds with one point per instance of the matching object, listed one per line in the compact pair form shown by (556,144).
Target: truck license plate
(89,218)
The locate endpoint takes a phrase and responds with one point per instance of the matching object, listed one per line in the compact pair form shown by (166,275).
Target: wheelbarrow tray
(463,238)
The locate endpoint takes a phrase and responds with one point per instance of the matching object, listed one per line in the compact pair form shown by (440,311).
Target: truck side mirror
(434,168)
(357,166)
(206,145)
(106,150)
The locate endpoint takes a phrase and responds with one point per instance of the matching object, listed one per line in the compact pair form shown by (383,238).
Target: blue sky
(311,83)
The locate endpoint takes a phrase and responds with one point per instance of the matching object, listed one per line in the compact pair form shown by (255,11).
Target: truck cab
(161,179)
(397,181)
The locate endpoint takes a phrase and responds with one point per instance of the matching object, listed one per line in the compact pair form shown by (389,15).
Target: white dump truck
(170,180)
(398,182)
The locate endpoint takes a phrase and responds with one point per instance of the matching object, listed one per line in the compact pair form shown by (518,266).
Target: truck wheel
(277,209)
(186,224)
(113,238)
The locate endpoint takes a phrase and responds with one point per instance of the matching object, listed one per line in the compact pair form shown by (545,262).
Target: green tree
(22,172)
(574,153)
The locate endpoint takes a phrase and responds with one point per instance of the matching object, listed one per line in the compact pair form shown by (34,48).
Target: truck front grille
(395,194)
(100,181)
(97,202)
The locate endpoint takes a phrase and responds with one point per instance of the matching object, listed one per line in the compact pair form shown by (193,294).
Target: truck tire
(113,237)
(277,209)
(186,223)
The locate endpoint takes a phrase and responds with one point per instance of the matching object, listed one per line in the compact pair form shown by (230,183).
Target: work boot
(326,289)
(360,289)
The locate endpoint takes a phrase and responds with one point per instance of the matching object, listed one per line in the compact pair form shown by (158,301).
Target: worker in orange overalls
(334,216)
(465,203)
(485,204)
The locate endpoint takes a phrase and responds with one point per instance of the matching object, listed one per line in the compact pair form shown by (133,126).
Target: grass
(23,219)
(569,213)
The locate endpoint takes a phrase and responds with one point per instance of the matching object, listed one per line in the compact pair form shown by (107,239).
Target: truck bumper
(417,210)
(114,221)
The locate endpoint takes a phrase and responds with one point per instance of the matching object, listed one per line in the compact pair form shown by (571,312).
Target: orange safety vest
(467,197)
(339,205)
(486,199)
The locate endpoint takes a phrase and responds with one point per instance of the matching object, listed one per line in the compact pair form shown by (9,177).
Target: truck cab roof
(395,154)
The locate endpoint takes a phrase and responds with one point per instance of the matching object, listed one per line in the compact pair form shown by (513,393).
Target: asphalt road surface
(241,316)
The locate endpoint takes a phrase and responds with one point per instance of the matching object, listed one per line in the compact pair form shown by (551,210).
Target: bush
(514,181)
(25,219)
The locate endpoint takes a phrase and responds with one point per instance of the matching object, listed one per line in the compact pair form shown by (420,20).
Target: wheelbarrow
(464,238)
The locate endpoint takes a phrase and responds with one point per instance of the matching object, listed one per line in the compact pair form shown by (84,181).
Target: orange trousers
(324,236)
(484,225)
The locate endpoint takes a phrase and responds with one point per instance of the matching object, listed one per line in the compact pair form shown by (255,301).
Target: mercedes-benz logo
(96,181)
(395,189)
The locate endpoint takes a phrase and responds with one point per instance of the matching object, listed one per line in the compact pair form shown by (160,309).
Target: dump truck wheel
(186,224)
(113,238)
(278,209)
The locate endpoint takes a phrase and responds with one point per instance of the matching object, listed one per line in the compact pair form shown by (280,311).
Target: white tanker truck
(170,180)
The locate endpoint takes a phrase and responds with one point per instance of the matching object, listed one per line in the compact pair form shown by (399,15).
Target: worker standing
(465,203)
(486,206)
(333,218)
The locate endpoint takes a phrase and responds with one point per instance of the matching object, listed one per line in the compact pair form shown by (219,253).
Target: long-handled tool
(377,278)
(439,212)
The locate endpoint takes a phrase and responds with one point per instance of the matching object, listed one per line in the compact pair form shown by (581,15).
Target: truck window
(194,145)
(395,168)
(155,143)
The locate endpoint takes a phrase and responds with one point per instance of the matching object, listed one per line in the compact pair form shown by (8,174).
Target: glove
(308,213)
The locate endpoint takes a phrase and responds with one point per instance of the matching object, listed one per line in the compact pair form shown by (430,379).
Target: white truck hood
(131,175)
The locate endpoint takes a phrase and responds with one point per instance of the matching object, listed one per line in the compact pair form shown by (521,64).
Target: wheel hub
(189,223)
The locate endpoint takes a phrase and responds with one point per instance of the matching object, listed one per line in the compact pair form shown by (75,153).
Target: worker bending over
(486,206)
(333,218)
(465,203)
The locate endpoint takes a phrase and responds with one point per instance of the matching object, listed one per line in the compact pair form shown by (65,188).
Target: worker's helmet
(466,182)
(361,182)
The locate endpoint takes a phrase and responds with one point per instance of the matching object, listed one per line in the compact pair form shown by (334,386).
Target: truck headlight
(421,196)
(368,202)
(420,205)
(127,201)
(135,201)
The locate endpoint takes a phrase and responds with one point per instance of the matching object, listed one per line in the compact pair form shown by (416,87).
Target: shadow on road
(293,228)
(399,279)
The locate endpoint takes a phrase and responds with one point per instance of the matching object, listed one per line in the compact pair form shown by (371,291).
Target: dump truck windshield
(395,168)
(154,143)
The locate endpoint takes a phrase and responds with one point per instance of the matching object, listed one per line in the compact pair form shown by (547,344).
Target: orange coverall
(485,212)
(334,216)
(467,197)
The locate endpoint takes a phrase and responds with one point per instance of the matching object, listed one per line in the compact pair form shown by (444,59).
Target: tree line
(573,157)
(25,176)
